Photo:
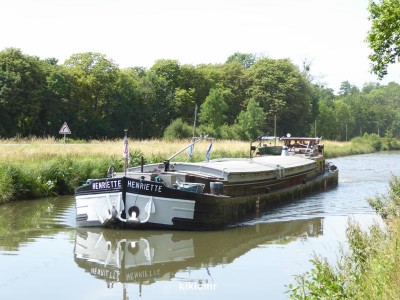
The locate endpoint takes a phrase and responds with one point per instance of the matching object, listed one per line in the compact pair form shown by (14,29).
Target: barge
(205,195)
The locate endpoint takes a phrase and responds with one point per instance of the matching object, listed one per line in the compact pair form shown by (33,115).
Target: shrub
(178,129)
(372,140)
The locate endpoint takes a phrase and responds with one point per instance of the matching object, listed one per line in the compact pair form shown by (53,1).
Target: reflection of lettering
(105,273)
(150,187)
(109,184)
(143,274)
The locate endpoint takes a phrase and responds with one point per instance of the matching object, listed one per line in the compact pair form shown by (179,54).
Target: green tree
(347,88)
(325,119)
(212,111)
(184,104)
(383,37)
(193,78)
(282,90)
(22,88)
(168,69)
(251,120)
(55,107)
(233,78)
(126,108)
(343,120)
(95,79)
(159,88)
(245,59)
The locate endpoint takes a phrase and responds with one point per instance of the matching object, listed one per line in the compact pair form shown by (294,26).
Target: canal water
(44,256)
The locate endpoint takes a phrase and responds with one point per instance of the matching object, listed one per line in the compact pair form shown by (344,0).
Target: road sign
(65,129)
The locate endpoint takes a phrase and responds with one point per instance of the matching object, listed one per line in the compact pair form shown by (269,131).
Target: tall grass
(369,269)
(56,176)
(338,149)
(17,150)
(31,168)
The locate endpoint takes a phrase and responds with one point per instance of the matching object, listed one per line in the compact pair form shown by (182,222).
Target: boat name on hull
(107,185)
(150,187)
(123,183)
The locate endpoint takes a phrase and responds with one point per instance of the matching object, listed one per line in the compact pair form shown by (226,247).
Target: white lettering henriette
(145,186)
(109,184)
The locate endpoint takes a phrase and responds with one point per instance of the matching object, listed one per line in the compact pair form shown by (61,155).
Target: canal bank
(35,169)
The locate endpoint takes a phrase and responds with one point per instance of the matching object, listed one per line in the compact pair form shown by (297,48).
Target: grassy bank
(369,269)
(33,168)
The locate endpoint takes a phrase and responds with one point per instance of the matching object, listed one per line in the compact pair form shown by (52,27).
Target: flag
(126,149)
(208,152)
(191,150)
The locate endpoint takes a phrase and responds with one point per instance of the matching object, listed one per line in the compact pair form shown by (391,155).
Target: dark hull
(211,214)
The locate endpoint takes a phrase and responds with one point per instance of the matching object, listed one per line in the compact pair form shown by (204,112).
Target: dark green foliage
(136,158)
(213,110)
(178,129)
(99,100)
(383,38)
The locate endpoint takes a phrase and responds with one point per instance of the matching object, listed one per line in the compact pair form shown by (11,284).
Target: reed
(32,168)
(338,149)
(369,268)
(23,150)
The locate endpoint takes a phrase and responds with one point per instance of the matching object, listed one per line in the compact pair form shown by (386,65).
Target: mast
(275,129)
(194,123)
(126,150)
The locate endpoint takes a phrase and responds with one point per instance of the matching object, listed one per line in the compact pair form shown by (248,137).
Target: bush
(372,140)
(390,142)
(178,129)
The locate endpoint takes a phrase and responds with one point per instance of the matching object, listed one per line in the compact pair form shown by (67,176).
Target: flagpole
(126,150)
(209,151)
(194,124)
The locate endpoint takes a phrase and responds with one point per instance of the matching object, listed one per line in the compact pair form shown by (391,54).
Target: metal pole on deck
(126,150)
(275,129)
(315,128)
(195,119)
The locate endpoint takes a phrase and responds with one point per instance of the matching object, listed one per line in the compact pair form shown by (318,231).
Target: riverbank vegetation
(369,268)
(34,168)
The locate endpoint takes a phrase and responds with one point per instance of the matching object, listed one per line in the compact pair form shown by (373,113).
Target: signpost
(64,130)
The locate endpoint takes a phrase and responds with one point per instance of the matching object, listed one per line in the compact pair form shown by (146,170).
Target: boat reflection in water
(144,257)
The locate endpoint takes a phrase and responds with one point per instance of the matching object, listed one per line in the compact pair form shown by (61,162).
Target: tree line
(239,99)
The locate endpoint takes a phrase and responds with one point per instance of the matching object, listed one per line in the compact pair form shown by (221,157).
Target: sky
(328,34)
